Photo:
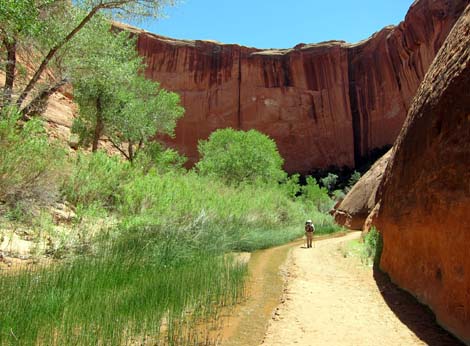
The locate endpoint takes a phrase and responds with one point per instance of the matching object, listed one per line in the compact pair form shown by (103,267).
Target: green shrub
(354,179)
(96,178)
(317,196)
(29,162)
(239,156)
(155,156)
(373,245)
(329,182)
(291,186)
(181,198)
(338,195)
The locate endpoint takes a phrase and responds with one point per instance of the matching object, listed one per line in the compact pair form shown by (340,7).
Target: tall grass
(161,275)
(134,290)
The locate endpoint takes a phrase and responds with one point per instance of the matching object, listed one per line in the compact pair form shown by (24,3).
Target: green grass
(368,249)
(134,289)
(162,271)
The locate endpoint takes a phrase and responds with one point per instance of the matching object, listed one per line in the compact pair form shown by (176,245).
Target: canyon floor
(328,299)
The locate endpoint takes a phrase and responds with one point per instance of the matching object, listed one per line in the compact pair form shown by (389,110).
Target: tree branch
(41,98)
(119,148)
(52,53)
(9,70)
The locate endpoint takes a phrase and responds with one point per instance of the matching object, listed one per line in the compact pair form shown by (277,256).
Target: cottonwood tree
(114,100)
(146,109)
(20,20)
(239,156)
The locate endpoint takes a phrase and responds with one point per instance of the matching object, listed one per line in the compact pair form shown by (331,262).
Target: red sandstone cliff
(324,104)
(424,212)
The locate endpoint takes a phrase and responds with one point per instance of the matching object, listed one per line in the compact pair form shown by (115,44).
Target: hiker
(309,230)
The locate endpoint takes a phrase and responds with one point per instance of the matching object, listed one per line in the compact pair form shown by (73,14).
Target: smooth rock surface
(425,197)
(324,104)
(354,209)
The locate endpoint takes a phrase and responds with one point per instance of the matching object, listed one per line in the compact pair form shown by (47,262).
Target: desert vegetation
(368,249)
(149,252)
(146,252)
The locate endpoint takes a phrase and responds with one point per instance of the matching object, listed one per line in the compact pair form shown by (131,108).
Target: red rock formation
(324,104)
(424,211)
(354,209)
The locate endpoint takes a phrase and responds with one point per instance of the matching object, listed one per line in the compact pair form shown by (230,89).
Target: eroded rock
(353,211)
(324,104)
(425,197)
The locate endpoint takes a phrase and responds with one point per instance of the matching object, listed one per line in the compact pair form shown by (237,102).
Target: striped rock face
(324,104)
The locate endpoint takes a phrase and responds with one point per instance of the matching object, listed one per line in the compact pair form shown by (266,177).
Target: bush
(354,179)
(355,176)
(29,162)
(373,245)
(329,182)
(291,186)
(239,156)
(155,156)
(178,200)
(316,195)
(338,195)
(96,178)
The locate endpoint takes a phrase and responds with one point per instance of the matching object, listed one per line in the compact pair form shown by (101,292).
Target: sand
(333,300)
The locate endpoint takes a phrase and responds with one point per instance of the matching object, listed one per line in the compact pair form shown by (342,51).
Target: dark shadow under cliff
(419,318)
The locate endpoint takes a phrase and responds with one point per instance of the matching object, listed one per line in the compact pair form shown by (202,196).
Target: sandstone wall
(424,214)
(354,209)
(324,104)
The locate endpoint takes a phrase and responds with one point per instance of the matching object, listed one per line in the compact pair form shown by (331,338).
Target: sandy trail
(332,300)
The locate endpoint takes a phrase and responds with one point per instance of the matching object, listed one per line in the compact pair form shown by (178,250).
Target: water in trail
(331,300)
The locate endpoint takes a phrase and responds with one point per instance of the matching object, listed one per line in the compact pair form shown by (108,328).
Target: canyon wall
(424,213)
(324,104)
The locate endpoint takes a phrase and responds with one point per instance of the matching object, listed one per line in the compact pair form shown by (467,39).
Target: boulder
(354,209)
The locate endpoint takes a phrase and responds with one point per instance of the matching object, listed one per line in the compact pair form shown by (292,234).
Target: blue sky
(278,23)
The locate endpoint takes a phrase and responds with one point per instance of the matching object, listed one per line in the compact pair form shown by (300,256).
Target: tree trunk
(130,150)
(99,126)
(52,53)
(9,71)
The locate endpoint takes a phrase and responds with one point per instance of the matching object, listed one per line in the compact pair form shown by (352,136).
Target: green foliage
(338,195)
(373,245)
(98,76)
(132,291)
(355,176)
(155,157)
(329,182)
(145,110)
(176,200)
(27,159)
(163,267)
(114,100)
(127,9)
(20,16)
(53,25)
(316,195)
(96,178)
(292,185)
(239,156)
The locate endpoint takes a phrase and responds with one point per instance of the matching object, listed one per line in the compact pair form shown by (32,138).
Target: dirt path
(332,300)
(247,323)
